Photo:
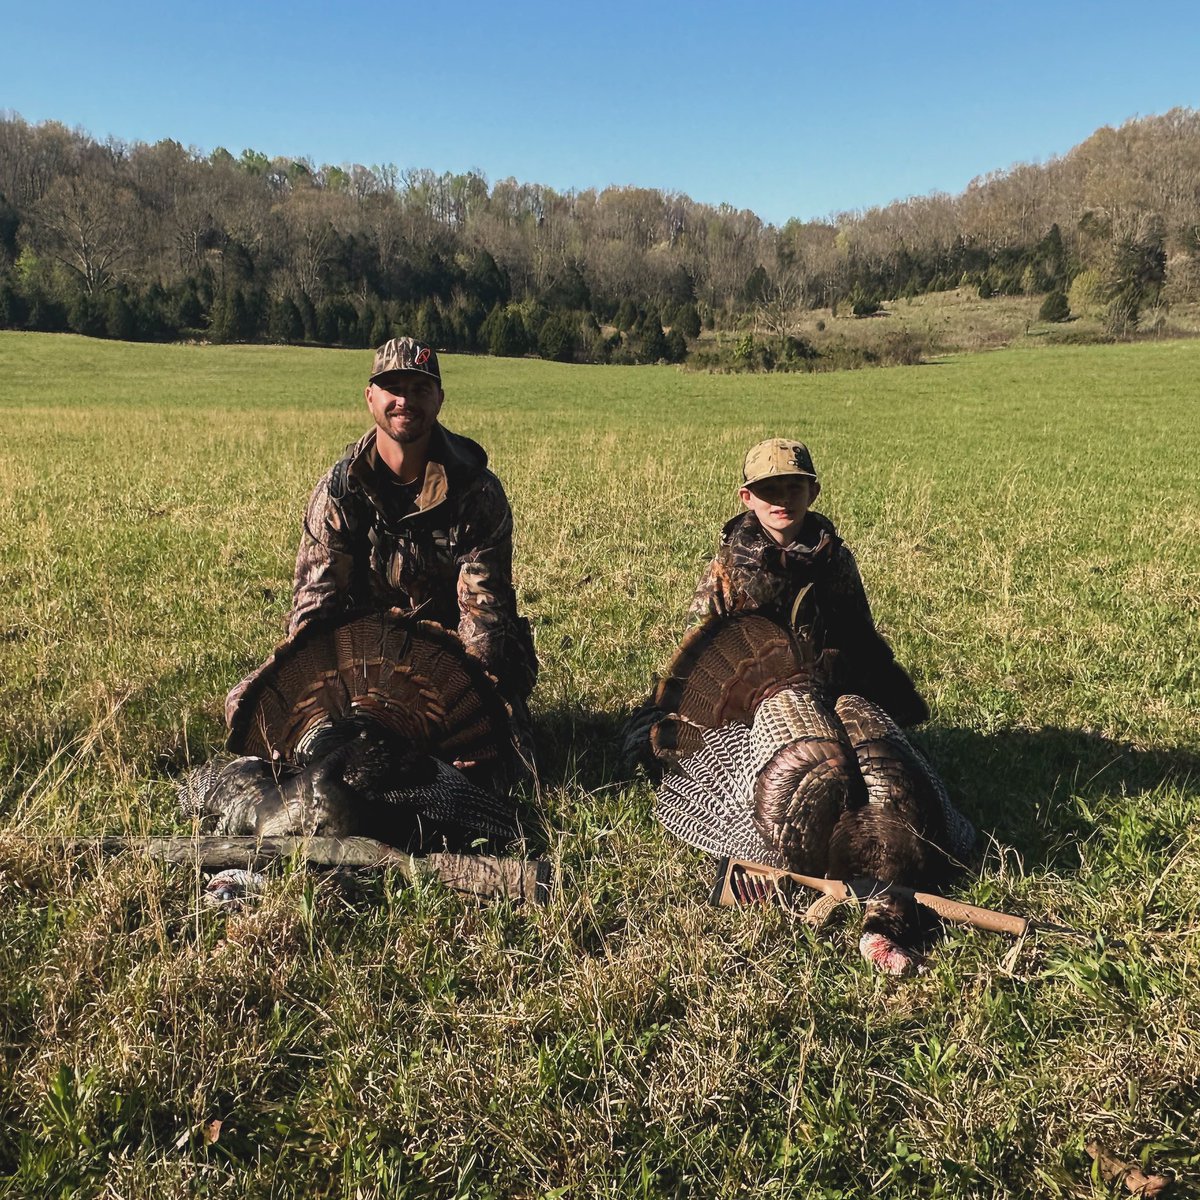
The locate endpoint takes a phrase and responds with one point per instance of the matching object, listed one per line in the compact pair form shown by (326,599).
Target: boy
(786,561)
(820,781)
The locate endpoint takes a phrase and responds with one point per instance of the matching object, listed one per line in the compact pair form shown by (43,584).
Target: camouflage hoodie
(442,551)
(814,585)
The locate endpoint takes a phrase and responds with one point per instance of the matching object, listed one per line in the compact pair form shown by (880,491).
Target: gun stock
(742,882)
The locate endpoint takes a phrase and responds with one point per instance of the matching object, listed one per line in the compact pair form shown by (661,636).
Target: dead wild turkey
(352,727)
(766,764)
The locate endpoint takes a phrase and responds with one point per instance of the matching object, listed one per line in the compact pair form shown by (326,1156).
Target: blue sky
(791,110)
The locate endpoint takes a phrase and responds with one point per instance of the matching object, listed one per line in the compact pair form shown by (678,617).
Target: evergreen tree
(150,314)
(308,316)
(1052,260)
(119,319)
(627,315)
(10,222)
(491,324)
(231,319)
(556,338)
(653,340)
(508,338)
(86,315)
(13,311)
(285,325)
(486,281)
(349,321)
(676,346)
(687,321)
(465,316)
(754,290)
(188,309)
(366,322)
(45,313)
(1055,307)
(428,326)
(569,290)
(380,331)
(863,304)
(327,323)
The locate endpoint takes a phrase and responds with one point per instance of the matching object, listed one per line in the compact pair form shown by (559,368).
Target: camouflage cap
(777,456)
(404,354)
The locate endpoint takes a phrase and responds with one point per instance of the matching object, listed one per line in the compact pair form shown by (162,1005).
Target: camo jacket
(814,586)
(443,553)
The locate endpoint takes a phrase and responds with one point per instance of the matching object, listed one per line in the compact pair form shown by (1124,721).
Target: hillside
(165,242)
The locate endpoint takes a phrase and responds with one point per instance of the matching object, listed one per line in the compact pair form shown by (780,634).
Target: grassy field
(1028,527)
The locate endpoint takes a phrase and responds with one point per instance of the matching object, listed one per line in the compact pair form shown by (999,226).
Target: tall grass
(1028,526)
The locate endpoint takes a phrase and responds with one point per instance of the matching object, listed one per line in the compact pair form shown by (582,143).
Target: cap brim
(776,475)
(385,376)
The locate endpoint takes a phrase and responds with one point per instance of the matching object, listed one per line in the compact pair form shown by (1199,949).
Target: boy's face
(781,504)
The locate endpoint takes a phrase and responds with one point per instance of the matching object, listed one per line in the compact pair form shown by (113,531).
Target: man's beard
(407,433)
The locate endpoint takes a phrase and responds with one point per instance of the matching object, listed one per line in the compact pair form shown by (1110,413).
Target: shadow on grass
(1037,790)
(578,747)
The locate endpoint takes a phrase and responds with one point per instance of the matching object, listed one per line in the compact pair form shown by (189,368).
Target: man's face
(405,406)
(781,504)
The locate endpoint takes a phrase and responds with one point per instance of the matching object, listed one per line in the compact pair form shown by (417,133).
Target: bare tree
(776,312)
(88,227)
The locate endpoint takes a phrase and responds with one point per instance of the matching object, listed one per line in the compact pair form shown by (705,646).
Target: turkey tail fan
(790,715)
(723,668)
(413,677)
(707,803)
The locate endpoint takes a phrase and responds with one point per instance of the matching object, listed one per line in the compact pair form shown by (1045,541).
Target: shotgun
(741,882)
(478,876)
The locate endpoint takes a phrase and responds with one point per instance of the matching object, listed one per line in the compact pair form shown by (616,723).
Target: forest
(164,242)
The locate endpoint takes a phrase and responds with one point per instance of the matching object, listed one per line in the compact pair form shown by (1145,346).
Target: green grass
(1028,527)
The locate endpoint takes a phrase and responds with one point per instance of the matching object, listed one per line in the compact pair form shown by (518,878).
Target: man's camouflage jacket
(444,555)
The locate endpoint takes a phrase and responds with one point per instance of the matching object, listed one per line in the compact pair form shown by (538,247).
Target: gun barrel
(480,876)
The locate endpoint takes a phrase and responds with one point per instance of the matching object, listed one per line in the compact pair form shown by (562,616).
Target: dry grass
(958,321)
(1027,525)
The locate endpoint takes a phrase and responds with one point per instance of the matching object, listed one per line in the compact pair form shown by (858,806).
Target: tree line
(138,241)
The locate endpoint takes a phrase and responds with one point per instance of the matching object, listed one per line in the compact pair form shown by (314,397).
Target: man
(410,517)
(786,561)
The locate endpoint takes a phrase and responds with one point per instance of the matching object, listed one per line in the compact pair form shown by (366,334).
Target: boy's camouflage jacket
(752,573)
(444,555)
